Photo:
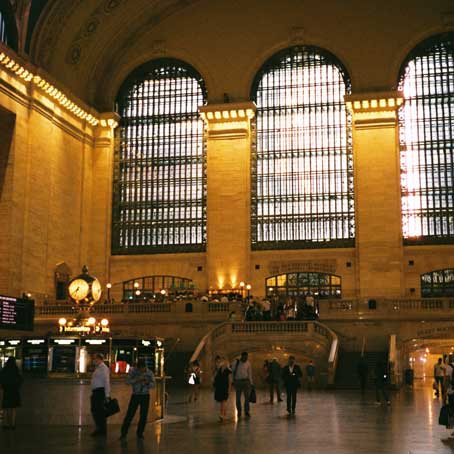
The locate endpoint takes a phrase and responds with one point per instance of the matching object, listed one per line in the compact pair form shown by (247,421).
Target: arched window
(302,168)
(437,283)
(322,285)
(427,142)
(8,28)
(159,193)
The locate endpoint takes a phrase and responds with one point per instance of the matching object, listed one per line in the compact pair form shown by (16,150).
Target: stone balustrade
(398,308)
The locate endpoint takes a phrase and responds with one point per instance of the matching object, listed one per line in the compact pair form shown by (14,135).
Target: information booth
(11,347)
(35,356)
(63,355)
(89,347)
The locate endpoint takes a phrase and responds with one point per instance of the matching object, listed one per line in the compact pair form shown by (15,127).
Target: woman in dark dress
(222,384)
(11,380)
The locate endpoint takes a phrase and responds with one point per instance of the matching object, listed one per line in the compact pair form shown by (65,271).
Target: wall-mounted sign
(16,313)
(320,266)
(64,341)
(14,343)
(94,341)
(36,341)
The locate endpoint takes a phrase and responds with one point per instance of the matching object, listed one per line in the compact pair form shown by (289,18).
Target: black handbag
(253,395)
(111,407)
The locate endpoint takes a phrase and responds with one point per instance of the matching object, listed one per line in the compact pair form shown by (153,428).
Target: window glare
(303,166)
(160,181)
(427,142)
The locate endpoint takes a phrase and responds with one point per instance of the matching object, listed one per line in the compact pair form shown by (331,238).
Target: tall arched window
(8,28)
(159,194)
(302,168)
(427,142)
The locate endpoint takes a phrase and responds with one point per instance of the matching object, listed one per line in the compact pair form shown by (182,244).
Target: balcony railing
(392,308)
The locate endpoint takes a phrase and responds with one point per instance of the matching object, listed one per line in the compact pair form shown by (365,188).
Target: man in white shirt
(242,378)
(100,391)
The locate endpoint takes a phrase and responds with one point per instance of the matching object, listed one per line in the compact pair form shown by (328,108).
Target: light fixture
(136,284)
(109,285)
(91,321)
(242,284)
(104,322)
(62,321)
(137,292)
(163,292)
(248,287)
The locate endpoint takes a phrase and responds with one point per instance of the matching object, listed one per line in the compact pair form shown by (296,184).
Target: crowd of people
(239,375)
(276,309)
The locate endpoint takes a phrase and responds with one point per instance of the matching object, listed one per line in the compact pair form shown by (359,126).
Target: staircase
(347,368)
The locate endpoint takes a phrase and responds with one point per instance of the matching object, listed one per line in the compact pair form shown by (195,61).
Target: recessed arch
(427,141)
(159,196)
(302,165)
(437,283)
(302,283)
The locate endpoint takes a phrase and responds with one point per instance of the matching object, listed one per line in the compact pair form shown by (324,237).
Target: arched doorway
(298,284)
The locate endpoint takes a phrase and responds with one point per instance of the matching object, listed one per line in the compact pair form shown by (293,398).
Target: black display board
(16,313)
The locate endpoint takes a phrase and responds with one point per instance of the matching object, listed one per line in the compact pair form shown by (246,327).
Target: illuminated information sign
(16,313)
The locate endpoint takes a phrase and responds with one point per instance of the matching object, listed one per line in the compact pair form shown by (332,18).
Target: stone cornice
(30,87)
(374,110)
(229,120)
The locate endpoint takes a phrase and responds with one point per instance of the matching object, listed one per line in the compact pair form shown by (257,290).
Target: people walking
(363,372)
(274,379)
(242,378)
(194,380)
(11,381)
(310,375)
(381,381)
(447,377)
(439,376)
(291,375)
(142,380)
(100,391)
(222,385)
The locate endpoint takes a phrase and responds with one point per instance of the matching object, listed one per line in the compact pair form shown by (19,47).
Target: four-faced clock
(78,289)
(96,290)
(84,288)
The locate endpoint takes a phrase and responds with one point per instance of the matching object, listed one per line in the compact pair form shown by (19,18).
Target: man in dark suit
(291,375)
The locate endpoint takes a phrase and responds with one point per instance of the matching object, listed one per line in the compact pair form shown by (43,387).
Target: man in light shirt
(142,380)
(100,391)
(242,378)
(439,376)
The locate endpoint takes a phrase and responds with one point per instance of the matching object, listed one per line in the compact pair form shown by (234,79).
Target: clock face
(96,290)
(78,289)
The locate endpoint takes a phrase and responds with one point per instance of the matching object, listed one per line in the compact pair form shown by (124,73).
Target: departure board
(16,313)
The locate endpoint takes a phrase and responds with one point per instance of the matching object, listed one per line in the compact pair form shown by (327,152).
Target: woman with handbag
(222,386)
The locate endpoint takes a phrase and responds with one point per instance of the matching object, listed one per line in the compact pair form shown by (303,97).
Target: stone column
(228,136)
(379,248)
(101,198)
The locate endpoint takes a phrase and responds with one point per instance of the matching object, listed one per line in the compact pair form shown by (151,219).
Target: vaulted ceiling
(80,42)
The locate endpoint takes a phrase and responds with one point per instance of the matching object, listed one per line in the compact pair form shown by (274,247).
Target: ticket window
(63,355)
(152,352)
(124,354)
(89,348)
(8,348)
(35,353)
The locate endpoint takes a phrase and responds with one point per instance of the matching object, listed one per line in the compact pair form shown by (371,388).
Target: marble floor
(336,422)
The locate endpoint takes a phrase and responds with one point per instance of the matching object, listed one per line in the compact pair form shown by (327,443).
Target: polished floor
(337,422)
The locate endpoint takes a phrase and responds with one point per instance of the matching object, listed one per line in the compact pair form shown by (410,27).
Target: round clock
(84,288)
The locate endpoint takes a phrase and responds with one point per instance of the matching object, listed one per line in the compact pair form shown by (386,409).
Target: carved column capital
(229,120)
(374,110)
